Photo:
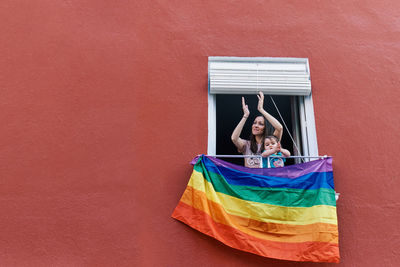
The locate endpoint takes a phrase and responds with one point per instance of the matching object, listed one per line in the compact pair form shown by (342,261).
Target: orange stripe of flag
(304,251)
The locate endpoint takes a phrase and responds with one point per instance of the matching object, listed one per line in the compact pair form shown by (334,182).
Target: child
(272,147)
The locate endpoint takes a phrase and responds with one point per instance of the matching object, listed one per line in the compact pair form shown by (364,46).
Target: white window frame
(307,122)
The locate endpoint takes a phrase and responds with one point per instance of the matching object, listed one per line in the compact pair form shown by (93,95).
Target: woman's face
(258,126)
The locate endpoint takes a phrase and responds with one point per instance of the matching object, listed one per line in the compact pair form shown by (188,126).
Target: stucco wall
(104,103)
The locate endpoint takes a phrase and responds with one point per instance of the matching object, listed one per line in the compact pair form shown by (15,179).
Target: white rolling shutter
(246,75)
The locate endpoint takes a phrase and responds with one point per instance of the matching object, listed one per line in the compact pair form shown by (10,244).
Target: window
(287,80)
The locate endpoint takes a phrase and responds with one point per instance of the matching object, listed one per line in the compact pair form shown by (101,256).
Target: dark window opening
(229,112)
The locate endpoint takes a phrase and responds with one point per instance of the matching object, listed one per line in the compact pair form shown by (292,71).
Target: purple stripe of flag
(291,171)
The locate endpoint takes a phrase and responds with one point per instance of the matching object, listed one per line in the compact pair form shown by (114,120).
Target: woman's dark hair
(268,130)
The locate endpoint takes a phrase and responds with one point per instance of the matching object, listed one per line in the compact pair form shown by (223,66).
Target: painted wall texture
(104,103)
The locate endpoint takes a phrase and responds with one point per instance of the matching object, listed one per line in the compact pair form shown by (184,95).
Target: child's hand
(278,147)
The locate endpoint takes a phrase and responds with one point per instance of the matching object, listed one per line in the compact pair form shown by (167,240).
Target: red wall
(104,103)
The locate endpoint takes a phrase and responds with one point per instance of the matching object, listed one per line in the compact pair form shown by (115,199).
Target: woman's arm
(274,122)
(239,142)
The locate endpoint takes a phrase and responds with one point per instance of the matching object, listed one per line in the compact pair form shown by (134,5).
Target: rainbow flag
(285,213)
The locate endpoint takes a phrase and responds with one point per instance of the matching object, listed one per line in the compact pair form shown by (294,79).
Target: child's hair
(272,137)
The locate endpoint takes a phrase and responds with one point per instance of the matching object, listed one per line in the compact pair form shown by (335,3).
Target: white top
(251,162)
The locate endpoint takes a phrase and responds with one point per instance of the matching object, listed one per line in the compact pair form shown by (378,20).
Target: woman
(255,145)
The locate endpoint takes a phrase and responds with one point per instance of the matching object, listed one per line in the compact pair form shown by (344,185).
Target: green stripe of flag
(287,197)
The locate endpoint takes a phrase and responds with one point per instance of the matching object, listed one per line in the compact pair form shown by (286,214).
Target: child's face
(270,144)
